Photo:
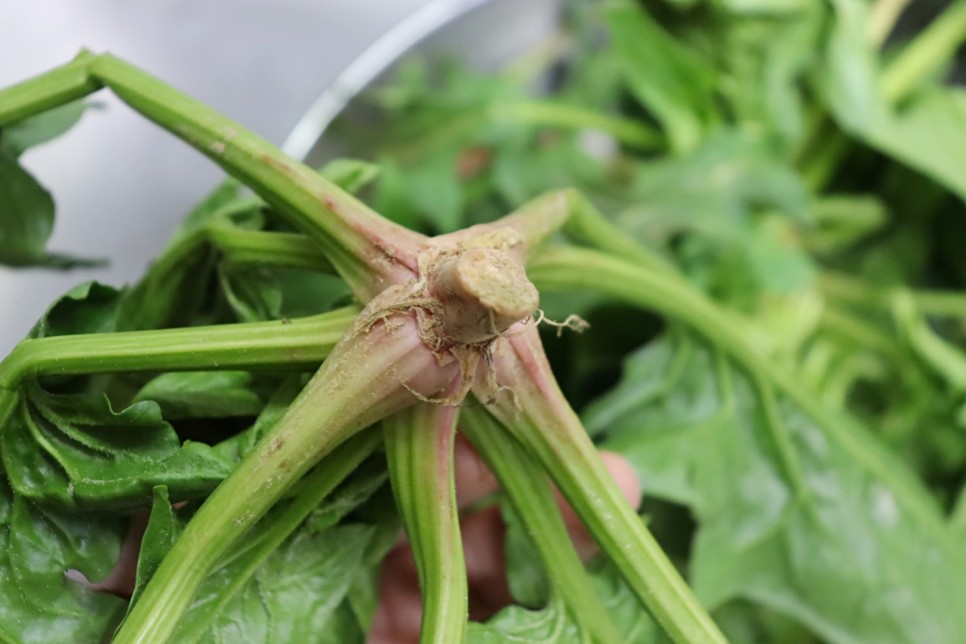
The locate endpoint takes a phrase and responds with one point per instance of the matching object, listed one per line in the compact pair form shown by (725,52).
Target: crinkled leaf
(38,545)
(553,624)
(858,554)
(75,450)
(323,576)
(90,307)
(295,595)
(518,624)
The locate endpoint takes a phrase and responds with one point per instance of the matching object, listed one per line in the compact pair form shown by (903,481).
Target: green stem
(292,344)
(537,414)
(570,268)
(315,487)
(540,113)
(585,223)
(854,290)
(366,378)
(941,303)
(532,497)
(59,86)
(286,250)
(627,131)
(368,251)
(928,51)
(861,333)
(419,449)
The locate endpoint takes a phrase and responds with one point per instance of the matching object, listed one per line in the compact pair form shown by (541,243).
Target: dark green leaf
(27,220)
(40,601)
(210,394)
(26,215)
(76,451)
(236,447)
(90,307)
(421,194)
(553,624)
(162,530)
(294,595)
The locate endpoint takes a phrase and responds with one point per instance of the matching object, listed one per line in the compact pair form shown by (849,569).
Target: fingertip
(624,475)
(474,480)
(398,616)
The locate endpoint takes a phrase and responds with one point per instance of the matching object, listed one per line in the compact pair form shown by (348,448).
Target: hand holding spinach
(755,211)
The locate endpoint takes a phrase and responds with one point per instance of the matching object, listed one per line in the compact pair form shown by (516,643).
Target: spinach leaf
(90,307)
(213,394)
(75,450)
(33,131)
(26,208)
(925,134)
(843,553)
(162,530)
(39,545)
(318,585)
(670,79)
(552,623)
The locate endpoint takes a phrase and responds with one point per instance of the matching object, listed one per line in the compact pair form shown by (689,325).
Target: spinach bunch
(764,202)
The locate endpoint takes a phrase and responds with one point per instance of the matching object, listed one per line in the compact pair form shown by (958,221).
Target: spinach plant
(756,214)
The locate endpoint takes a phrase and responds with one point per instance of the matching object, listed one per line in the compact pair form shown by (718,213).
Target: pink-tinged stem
(531,494)
(419,447)
(529,402)
(372,373)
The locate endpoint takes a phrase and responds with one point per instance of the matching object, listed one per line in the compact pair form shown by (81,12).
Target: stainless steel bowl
(482,34)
